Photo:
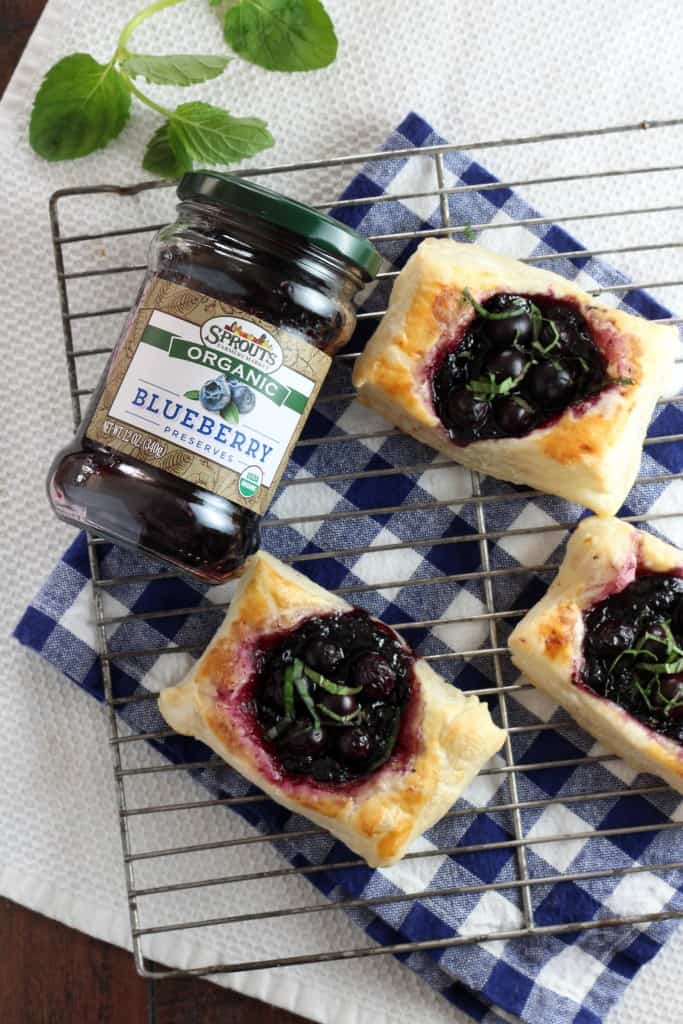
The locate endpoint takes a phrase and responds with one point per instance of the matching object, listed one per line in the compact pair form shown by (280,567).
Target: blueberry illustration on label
(243,397)
(215,394)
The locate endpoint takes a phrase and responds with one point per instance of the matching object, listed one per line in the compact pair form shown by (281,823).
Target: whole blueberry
(550,385)
(464,409)
(323,655)
(561,328)
(339,703)
(303,740)
(508,362)
(671,689)
(375,675)
(516,325)
(215,394)
(243,397)
(611,637)
(513,418)
(353,746)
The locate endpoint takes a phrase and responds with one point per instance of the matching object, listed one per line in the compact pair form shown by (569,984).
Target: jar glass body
(259,270)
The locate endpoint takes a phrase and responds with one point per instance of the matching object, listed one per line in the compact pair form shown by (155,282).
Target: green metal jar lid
(326,232)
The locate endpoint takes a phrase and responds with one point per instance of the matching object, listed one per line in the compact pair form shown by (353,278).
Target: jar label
(208,394)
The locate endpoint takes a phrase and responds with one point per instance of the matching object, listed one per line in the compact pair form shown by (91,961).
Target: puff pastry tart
(516,372)
(606,642)
(329,712)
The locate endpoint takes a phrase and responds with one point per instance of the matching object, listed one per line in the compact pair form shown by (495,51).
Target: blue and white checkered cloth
(561,978)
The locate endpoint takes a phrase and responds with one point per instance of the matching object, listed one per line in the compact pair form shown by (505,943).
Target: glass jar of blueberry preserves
(247,297)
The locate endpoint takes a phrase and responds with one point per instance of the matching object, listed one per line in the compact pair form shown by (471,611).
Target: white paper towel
(502,69)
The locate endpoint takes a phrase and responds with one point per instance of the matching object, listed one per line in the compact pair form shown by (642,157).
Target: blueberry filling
(330,695)
(633,651)
(520,364)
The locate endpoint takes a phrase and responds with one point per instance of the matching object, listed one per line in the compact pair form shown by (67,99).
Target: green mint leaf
(166,160)
(80,107)
(231,413)
(469,233)
(282,35)
(175,68)
(213,136)
(193,395)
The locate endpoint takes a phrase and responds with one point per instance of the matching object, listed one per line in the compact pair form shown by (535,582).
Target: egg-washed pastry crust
(590,454)
(378,817)
(603,556)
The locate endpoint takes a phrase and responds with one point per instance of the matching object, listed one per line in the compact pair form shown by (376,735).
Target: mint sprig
(82,105)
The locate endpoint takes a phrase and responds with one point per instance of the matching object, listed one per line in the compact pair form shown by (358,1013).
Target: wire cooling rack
(544,168)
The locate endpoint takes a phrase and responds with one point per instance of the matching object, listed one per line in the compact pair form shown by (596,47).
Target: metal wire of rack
(131,775)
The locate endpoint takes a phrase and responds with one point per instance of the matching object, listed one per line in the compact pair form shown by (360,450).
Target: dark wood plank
(50,974)
(17,20)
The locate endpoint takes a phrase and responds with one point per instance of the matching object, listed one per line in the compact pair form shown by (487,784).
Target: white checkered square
(572,973)
(302,500)
(379,566)
(615,766)
(419,175)
(515,242)
(357,419)
(462,635)
(482,789)
(416,875)
(535,701)
(642,893)
(79,617)
(670,500)
(449,483)
(493,913)
(559,820)
(529,547)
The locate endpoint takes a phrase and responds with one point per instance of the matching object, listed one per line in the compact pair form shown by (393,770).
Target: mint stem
(164,111)
(137,20)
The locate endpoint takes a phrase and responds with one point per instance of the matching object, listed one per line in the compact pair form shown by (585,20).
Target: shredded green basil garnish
(301,684)
(536,323)
(643,693)
(288,691)
(545,349)
(488,387)
(327,684)
(277,730)
(514,310)
(341,719)
(664,668)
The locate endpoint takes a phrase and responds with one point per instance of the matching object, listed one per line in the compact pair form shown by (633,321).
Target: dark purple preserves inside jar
(247,297)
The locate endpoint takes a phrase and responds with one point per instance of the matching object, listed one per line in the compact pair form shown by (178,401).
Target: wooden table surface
(50,974)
